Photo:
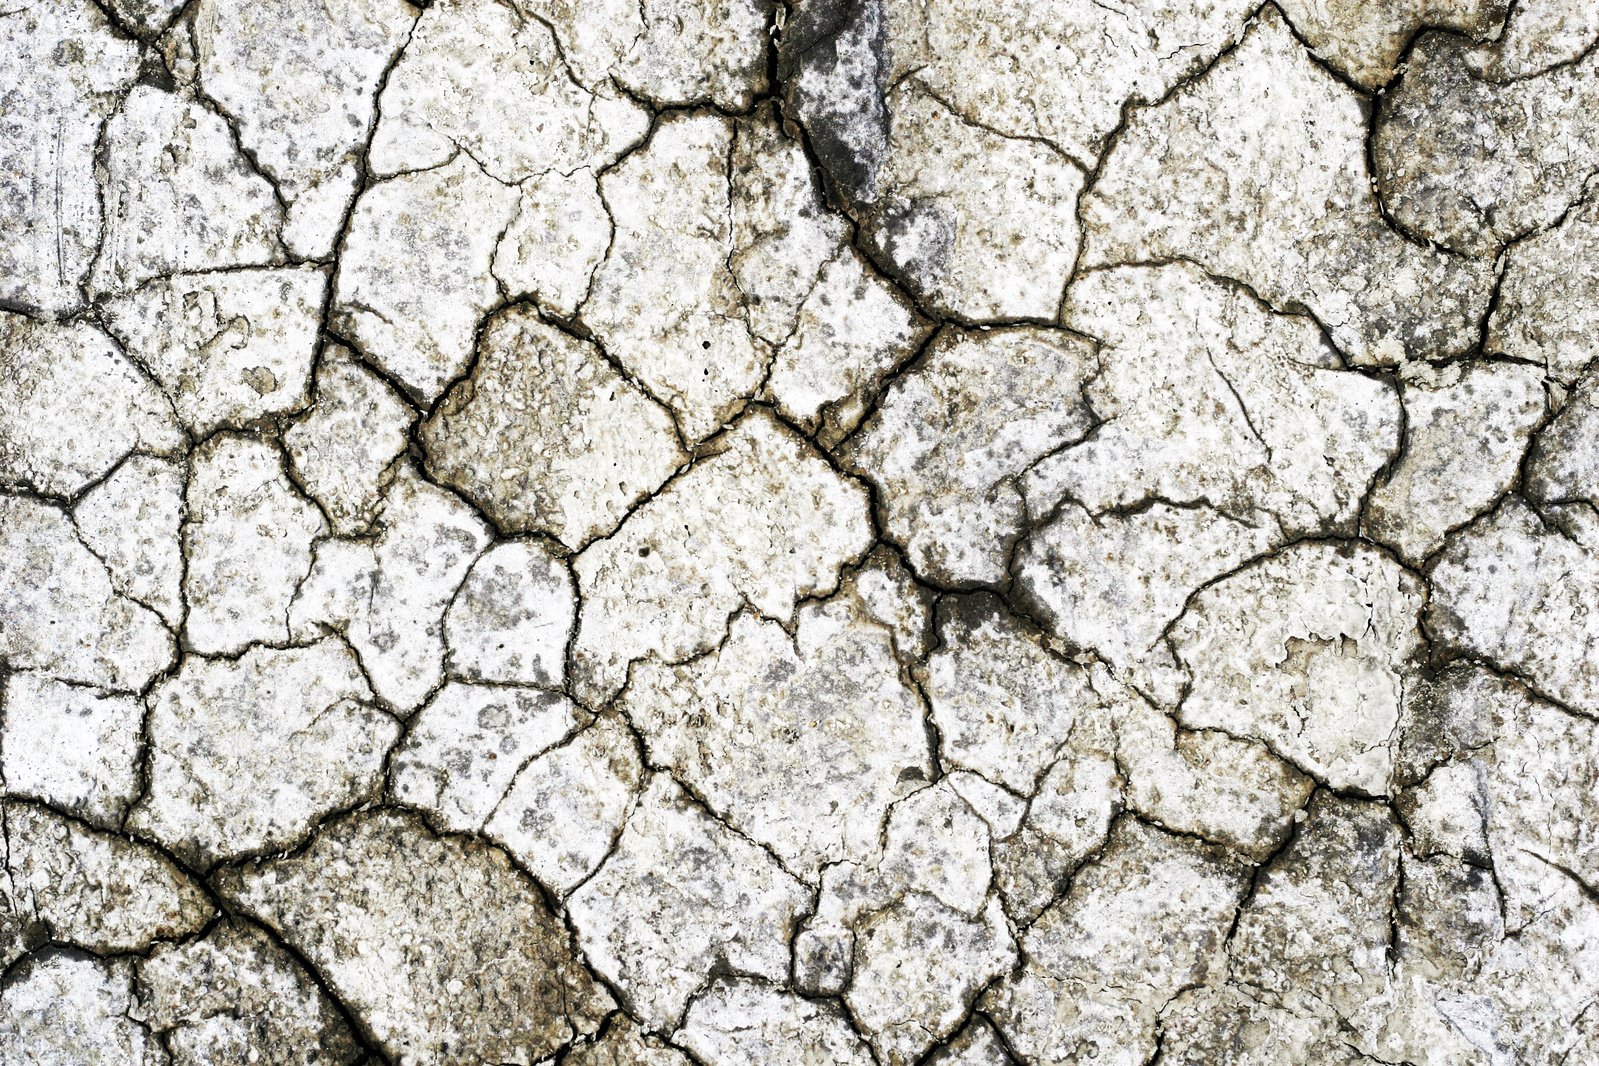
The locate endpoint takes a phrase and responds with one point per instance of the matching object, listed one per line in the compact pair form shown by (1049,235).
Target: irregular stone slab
(558,238)
(977,1045)
(63,618)
(671,52)
(925,892)
(511,618)
(480,79)
(300,80)
(1364,40)
(1315,930)
(801,743)
(1209,397)
(380,906)
(236,997)
(228,348)
(71,406)
(955,433)
(1113,583)
(341,448)
(991,232)
(1145,920)
(1516,591)
(782,230)
(67,1007)
(75,748)
(657,927)
(246,754)
(1296,189)
(415,315)
(962,157)
(850,332)
(1472,163)
(248,543)
(665,303)
(906,1015)
(1229,791)
(466,747)
(1565,462)
(1538,35)
(1497,931)
(387,596)
(1548,309)
(1003,700)
(1306,651)
(763,521)
(102,892)
(178,195)
(1466,430)
(547,436)
(78,70)
(624,1044)
(132,521)
(563,814)
(744,1020)
(1064,822)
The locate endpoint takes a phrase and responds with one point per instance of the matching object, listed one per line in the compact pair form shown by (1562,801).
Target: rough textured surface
(809,533)
(406,900)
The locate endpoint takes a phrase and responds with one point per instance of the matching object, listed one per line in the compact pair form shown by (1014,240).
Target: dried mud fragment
(547,436)
(62,615)
(66,71)
(1257,172)
(341,448)
(414,316)
(236,998)
(665,302)
(464,750)
(133,522)
(1467,428)
(1365,39)
(657,926)
(1518,591)
(387,595)
(248,543)
(955,434)
(300,80)
(179,196)
(1089,985)
(1473,162)
(229,348)
(63,1006)
(1548,309)
(379,905)
(742,1020)
(292,727)
(73,747)
(763,522)
(72,406)
(802,742)
(66,883)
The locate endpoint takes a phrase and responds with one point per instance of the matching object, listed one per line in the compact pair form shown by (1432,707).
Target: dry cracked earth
(664,532)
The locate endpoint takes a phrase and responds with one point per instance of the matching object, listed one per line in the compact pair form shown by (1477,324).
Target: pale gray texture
(799,533)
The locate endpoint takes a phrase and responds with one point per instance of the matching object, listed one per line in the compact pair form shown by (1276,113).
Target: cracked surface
(814,532)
